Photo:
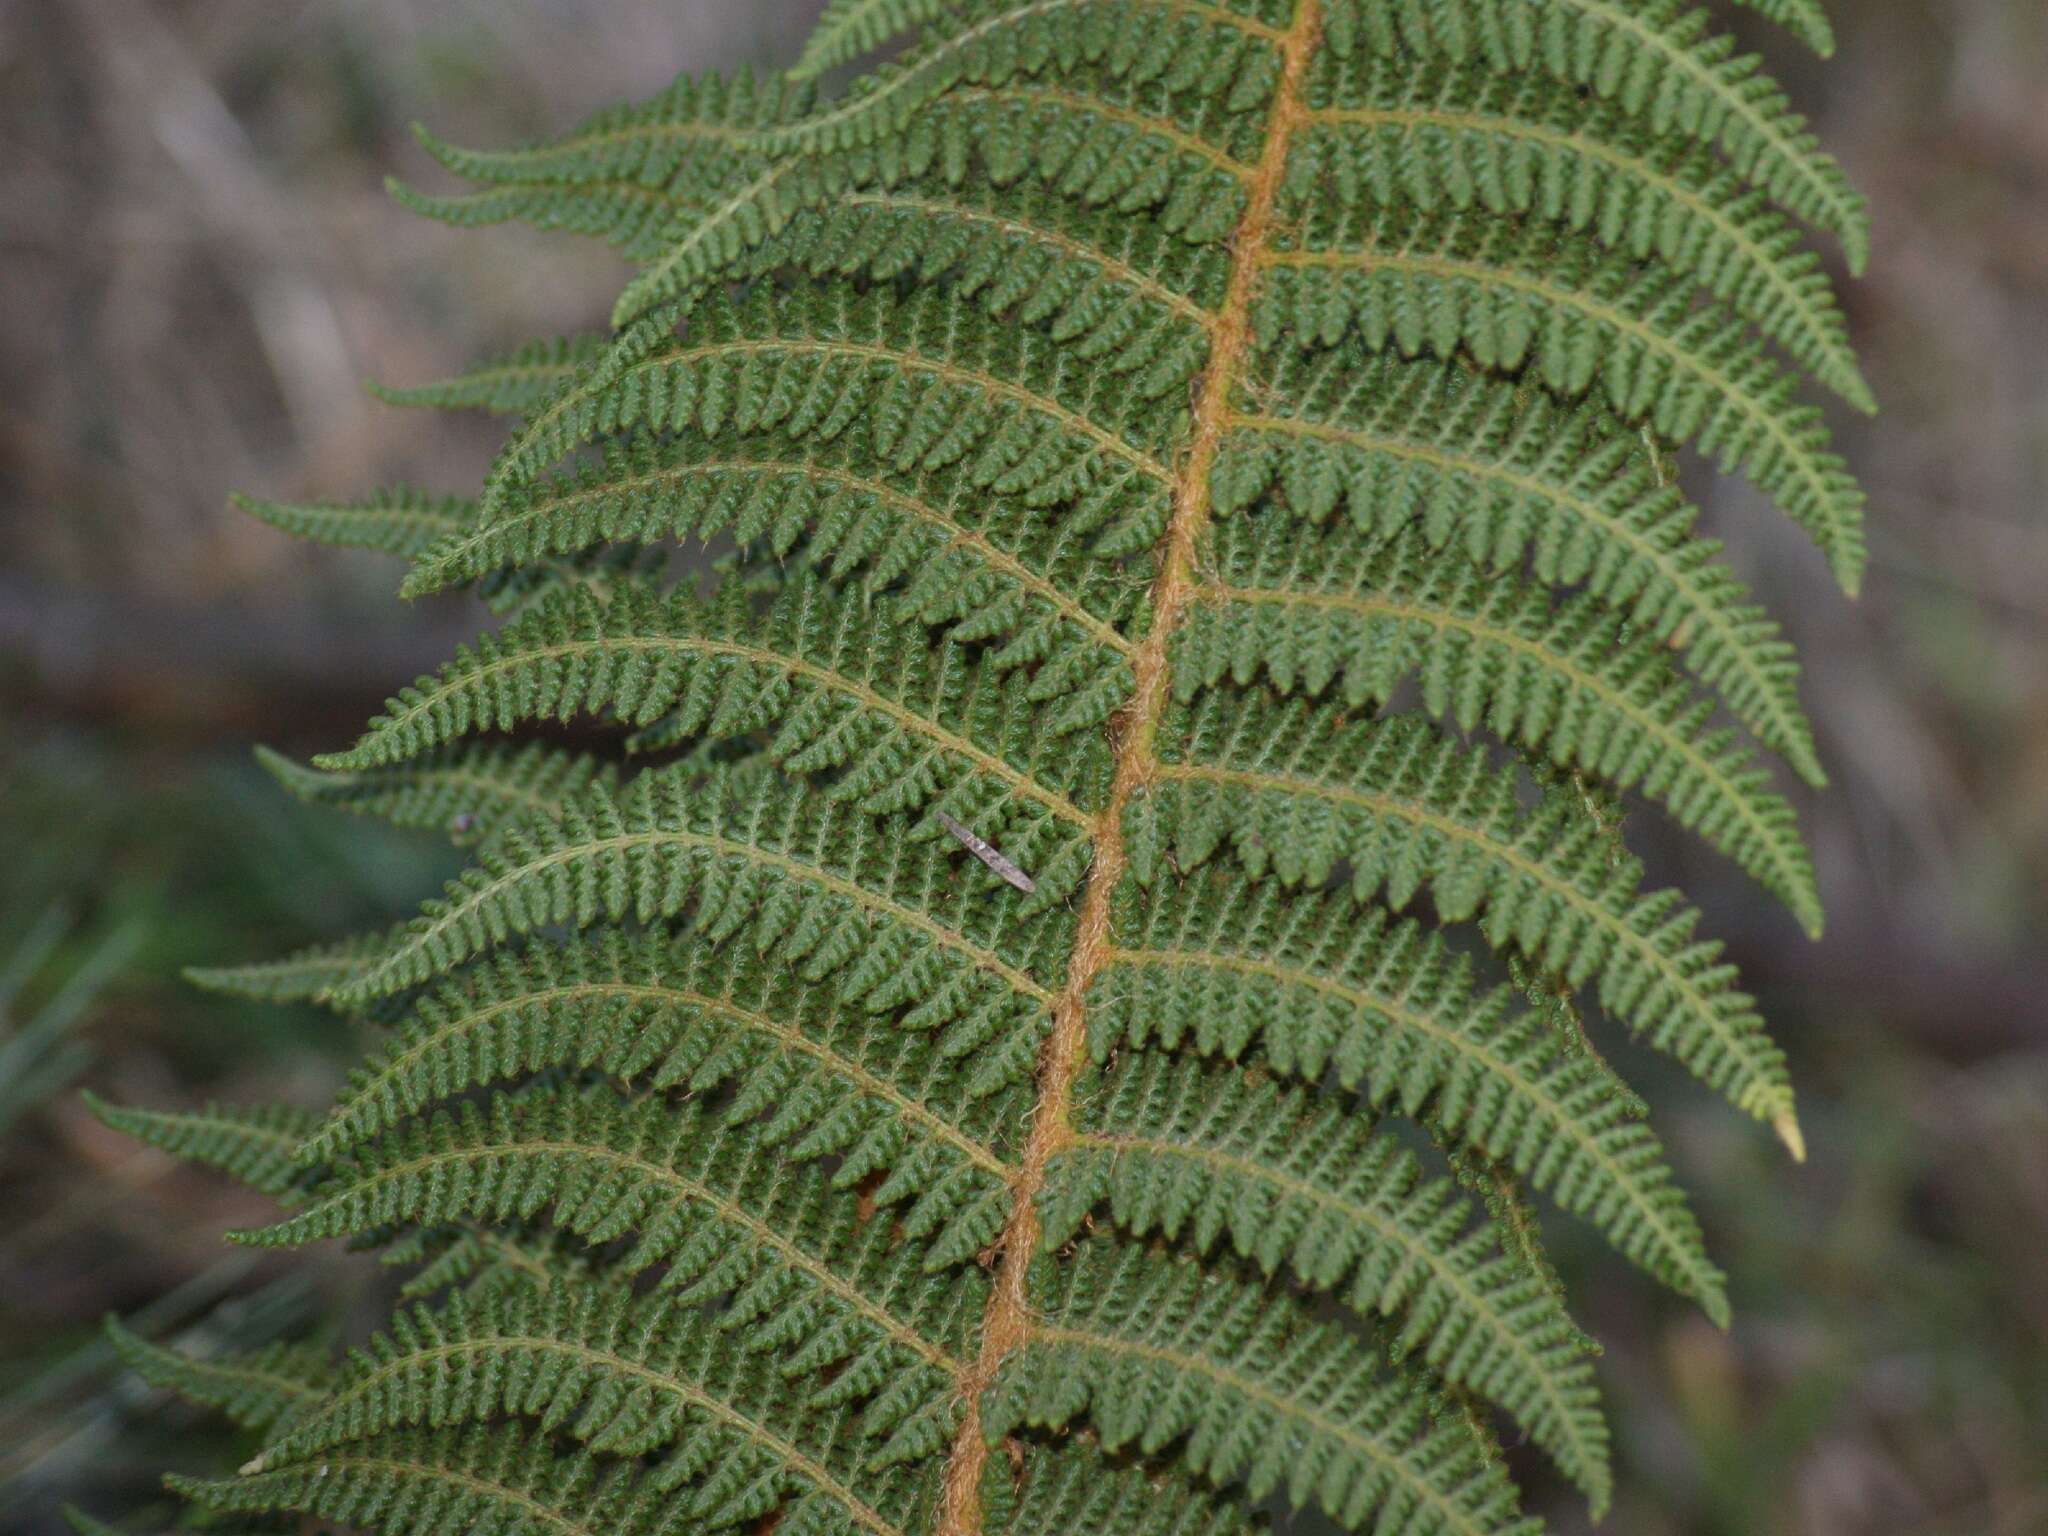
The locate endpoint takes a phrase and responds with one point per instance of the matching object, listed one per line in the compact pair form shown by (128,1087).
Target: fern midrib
(1009,1319)
(909,720)
(1390,1232)
(796,869)
(1761,1098)
(789,1038)
(1787,879)
(807,1467)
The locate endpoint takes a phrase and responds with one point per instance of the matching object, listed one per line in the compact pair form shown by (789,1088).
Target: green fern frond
(309,975)
(1658,62)
(398,522)
(827,676)
(923,385)
(729,1437)
(1295,793)
(1805,19)
(478,1258)
(661,1016)
(1285,1180)
(846,29)
(654,142)
(468,792)
(253,1146)
(820,888)
(457,1483)
(1153,1352)
(671,179)
(1474,285)
(259,1389)
(1470,462)
(988,568)
(1070,1486)
(1463,138)
(1490,649)
(706,1201)
(505,386)
(1298,983)
(952,1089)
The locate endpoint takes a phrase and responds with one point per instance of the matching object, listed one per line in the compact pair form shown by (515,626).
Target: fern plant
(1055,1010)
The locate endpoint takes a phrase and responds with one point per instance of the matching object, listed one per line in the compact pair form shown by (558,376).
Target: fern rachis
(935,1073)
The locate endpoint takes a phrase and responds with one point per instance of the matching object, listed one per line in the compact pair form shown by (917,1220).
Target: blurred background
(201,268)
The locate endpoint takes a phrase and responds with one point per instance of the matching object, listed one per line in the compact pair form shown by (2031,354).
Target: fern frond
(476,1258)
(1100,283)
(846,29)
(1805,19)
(659,1015)
(1489,649)
(672,179)
(468,792)
(1215,1157)
(827,676)
(1153,1352)
(410,524)
(1030,253)
(252,1146)
(1295,793)
(259,1389)
(951,1093)
(308,975)
(1068,1487)
(1471,463)
(1211,52)
(922,385)
(705,1200)
(729,1436)
(652,143)
(1117,146)
(1460,137)
(498,1479)
(988,568)
(1310,989)
(1658,62)
(505,386)
(824,891)
(1479,286)
(397,522)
